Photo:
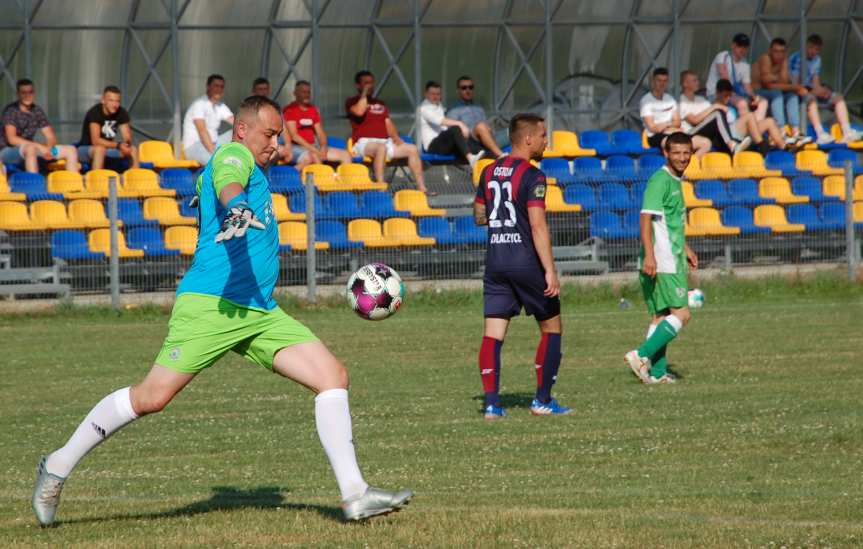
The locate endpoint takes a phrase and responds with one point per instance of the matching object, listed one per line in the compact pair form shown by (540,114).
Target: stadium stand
(183,239)
(161,155)
(282,211)
(149,239)
(779,189)
(370,233)
(404,232)
(52,215)
(565,144)
(72,246)
(7,194)
(32,185)
(773,216)
(130,212)
(334,233)
(89,213)
(180,180)
(555,203)
(356,177)
(293,235)
(707,221)
(100,241)
(416,203)
(69,184)
(14,216)
(143,182)
(166,212)
(739,216)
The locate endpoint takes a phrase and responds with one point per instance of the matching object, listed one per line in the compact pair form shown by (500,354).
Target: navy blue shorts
(504,295)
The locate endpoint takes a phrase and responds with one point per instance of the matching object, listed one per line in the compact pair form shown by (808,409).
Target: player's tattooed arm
(479,214)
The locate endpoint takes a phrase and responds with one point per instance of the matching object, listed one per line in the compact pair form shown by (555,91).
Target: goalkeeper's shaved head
(252,105)
(257,126)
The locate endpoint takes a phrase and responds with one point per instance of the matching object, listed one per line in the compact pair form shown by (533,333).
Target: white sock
(333,419)
(111,414)
(650,330)
(675,323)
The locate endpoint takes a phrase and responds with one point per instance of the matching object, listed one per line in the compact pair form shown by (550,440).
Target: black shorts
(655,140)
(504,295)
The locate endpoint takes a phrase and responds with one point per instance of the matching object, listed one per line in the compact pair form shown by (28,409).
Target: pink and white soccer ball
(375,291)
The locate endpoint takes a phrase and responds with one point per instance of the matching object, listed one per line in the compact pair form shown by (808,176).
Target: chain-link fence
(135,232)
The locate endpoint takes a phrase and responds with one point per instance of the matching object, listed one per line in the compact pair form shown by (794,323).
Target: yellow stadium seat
(554,201)
(295,235)
(355,177)
(69,184)
(479,167)
(6,193)
(691,200)
(416,203)
(858,188)
(161,155)
(693,170)
(751,164)
(834,185)
(707,222)
(97,181)
(779,189)
(368,231)
(565,144)
(100,241)
(816,162)
(184,239)
(773,216)
(282,211)
(324,177)
(836,132)
(404,231)
(15,217)
(717,165)
(644,143)
(166,212)
(52,214)
(89,213)
(689,230)
(144,183)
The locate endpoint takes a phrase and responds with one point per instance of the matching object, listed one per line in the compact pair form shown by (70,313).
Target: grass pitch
(761,444)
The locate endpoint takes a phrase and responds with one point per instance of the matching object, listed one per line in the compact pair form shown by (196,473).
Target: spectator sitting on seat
(772,82)
(821,95)
(106,132)
(21,120)
(465,110)
(660,116)
(303,125)
(699,118)
(732,66)
(261,87)
(374,133)
(442,135)
(747,124)
(201,123)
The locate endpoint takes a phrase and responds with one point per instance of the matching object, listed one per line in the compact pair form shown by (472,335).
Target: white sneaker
(640,366)
(824,139)
(473,158)
(852,135)
(742,145)
(803,140)
(666,378)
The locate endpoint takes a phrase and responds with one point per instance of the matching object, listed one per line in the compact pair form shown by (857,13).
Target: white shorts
(362,142)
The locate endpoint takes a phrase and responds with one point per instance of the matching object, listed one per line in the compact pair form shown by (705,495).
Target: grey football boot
(46,494)
(375,502)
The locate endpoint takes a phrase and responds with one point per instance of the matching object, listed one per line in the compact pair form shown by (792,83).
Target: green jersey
(663,199)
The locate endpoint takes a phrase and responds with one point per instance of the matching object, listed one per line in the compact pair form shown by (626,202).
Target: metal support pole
(316,52)
(804,123)
(311,263)
(28,40)
(850,240)
(675,47)
(418,60)
(114,259)
(549,75)
(176,130)
(728,263)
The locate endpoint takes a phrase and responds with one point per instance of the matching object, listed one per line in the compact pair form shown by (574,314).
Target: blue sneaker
(494,412)
(552,408)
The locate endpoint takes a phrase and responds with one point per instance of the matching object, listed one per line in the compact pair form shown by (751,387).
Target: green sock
(658,364)
(665,332)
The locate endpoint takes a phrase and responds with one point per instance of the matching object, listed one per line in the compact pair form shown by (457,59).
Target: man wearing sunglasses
(465,110)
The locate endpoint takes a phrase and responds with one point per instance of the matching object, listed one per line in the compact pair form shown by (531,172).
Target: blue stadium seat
(739,216)
(336,234)
(588,169)
(337,142)
(632,222)
(342,204)
(179,179)
(149,239)
(129,211)
(439,229)
(805,214)
(285,180)
(297,203)
(616,197)
(379,204)
(609,226)
(467,231)
(186,209)
(580,194)
(745,191)
(833,216)
(784,161)
(33,185)
(837,158)
(648,164)
(557,168)
(621,167)
(637,191)
(713,189)
(72,245)
(598,140)
(810,186)
(627,142)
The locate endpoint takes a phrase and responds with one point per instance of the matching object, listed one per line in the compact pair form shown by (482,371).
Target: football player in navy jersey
(519,267)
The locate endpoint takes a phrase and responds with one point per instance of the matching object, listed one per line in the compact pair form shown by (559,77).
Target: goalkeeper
(225,303)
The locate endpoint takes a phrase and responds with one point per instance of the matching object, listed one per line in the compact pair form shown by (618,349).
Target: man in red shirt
(374,133)
(303,125)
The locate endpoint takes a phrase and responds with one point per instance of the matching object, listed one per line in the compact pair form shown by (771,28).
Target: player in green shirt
(664,261)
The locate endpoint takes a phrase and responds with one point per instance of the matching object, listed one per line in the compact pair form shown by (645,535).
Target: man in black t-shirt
(106,132)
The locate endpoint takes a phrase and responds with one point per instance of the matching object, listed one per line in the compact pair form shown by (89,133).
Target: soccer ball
(375,291)
(696,298)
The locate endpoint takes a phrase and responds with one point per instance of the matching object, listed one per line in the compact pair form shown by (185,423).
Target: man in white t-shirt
(442,135)
(731,65)
(202,121)
(699,117)
(660,115)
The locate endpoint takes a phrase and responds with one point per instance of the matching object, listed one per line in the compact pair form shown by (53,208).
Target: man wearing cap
(731,65)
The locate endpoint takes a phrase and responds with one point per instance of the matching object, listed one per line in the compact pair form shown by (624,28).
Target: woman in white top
(442,135)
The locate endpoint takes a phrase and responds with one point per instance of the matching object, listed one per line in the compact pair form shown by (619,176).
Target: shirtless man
(772,81)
